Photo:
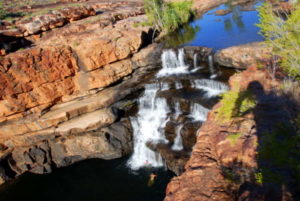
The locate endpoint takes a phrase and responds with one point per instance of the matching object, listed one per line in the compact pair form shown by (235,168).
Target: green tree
(282,34)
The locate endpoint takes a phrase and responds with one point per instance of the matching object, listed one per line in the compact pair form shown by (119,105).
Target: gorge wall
(58,97)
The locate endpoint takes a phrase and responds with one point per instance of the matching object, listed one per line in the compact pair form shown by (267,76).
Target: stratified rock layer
(58,99)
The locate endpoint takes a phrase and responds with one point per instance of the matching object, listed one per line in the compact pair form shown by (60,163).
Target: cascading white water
(177,110)
(147,126)
(211,87)
(164,86)
(211,67)
(195,60)
(198,112)
(178,85)
(154,113)
(172,64)
(177,146)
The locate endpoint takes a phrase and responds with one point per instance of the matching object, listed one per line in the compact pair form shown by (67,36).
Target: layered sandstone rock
(223,167)
(242,56)
(59,98)
(60,70)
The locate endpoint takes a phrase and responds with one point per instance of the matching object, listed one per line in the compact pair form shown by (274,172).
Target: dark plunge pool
(218,32)
(90,180)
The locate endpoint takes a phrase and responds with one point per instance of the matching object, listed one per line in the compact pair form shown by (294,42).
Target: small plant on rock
(235,103)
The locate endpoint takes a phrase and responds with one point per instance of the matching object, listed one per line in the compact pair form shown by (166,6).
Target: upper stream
(175,98)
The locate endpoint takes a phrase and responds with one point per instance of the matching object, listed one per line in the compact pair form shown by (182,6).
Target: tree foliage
(282,34)
(168,16)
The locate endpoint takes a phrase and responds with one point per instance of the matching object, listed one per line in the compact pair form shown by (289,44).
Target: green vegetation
(279,152)
(11,16)
(235,103)
(3,12)
(283,36)
(233,137)
(168,17)
(258,177)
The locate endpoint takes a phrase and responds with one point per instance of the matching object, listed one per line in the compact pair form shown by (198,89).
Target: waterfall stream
(155,110)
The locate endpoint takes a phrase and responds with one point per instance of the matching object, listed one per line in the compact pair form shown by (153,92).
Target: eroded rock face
(106,143)
(223,167)
(61,70)
(55,19)
(243,56)
(62,100)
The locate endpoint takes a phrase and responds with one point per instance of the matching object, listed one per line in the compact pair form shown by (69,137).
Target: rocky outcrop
(224,164)
(76,129)
(242,56)
(41,157)
(61,70)
(54,19)
(64,99)
(32,29)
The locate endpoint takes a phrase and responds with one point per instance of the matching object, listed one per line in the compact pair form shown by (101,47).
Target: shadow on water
(278,155)
(90,180)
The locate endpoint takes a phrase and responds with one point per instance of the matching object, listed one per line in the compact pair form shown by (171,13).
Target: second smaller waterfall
(172,63)
(198,112)
(177,146)
(211,87)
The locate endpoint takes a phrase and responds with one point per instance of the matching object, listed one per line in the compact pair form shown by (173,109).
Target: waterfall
(172,64)
(177,110)
(198,112)
(178,85)
(147,128)
(154,112)
(211,67)
(195,60)
(164,86)
(177,146)
(211,87)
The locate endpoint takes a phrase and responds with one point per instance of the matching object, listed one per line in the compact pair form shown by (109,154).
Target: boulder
(222,12)
(243,56)
(175,160)
(188,134)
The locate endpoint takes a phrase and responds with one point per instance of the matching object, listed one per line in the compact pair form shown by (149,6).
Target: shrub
(234,104)
(283,36)
(233,137)
(167,17)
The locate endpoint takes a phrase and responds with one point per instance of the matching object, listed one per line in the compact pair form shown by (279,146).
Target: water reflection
(218,32)
(184,35)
